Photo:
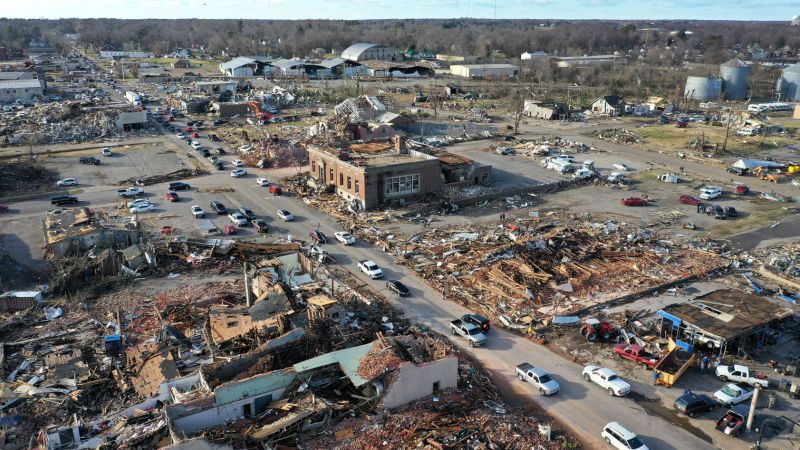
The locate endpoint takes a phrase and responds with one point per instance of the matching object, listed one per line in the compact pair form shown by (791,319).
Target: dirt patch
(24,176)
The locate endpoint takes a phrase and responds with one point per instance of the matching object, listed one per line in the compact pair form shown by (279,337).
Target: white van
(746,131)
(710,192)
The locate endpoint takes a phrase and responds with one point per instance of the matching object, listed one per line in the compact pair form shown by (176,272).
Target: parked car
(733,422)
(718,212)
(733,393)
(219,165)
(245,148)
(318,237)
(63,199)
(634,201)
(106,151)
(742,189)
(238,219)
(710,192)
(477,320)
(261,181)
(741,374)
(246,212)
(636,354)
(218,207)
(172,196)
(195,144)
(398,288)
(237,162)
(344,237)
(198,212)
(67,182)
(730,211)
(213,159)
(285,215)
(260,225)
(89,160)
(607,379)
(142,208)
(693,404)
(4,208)
(220,150)
(621,166)
(688,200)
(621,438)
(178,186)
(543,382)
(236,173)
(370,268)
(274,189)
(133,191)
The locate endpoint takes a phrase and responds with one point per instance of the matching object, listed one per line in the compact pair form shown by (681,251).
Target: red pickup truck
(636,354)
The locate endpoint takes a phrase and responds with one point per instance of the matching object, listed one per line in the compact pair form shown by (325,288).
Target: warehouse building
(484,70)
(365,51)
(245,66)
(13,90)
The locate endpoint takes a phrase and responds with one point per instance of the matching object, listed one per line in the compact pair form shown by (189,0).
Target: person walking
(704,363)
(655,377)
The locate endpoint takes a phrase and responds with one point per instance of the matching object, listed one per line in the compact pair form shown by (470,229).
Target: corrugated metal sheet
(348,359)
(22,84)
(253,386)
(354,51)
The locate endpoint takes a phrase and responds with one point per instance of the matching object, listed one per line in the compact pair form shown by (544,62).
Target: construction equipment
(764,174)
(593,329)
(259,115)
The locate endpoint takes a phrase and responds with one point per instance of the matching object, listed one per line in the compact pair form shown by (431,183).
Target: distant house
(110,54)
(527,56)
(181,64)
(21,89)
(610,105)
(181,53)
(484,70)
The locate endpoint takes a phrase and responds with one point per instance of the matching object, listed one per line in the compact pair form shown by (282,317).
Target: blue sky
(780,10)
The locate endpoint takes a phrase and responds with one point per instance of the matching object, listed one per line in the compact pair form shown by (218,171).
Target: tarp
(753,163)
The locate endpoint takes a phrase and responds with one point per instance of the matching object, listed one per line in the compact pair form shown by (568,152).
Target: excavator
(763,173)
(259,115)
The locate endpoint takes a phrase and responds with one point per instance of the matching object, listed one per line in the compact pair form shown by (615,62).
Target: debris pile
(163,178)
(618,135)
(54,123)
(22,176)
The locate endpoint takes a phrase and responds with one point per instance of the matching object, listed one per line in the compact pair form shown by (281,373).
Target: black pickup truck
(477,320)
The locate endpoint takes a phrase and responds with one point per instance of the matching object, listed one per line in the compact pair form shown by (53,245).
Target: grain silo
(734,75)
(702,88)
(789,84)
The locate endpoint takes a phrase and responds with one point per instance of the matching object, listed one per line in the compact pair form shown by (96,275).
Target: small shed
(20,300)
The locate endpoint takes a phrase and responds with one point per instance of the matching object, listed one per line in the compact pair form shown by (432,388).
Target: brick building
(379,174)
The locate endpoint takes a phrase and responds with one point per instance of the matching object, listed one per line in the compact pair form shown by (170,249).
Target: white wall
(217,415)
(411,381)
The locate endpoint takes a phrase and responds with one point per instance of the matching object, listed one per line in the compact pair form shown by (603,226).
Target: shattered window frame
(402,185)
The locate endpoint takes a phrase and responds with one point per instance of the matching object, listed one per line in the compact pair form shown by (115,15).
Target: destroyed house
(229,401)
(78,229)
(321,306)
(151,364)
(245,66)
(229,322)
(459,171)
(404,69)
(723,321)
(546,110)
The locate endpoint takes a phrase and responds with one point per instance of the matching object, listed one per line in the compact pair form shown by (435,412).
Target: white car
(140,208)
(370,268)
(238,219)
(621,438)
(345,238)
(733,393)
(237,162)
(67,182)
(262,181)
(106,151)
(607,379)
(195,144)
(285,215)
(710,192)
(180,136)
(238,173)
(317,250)
(140,201)
(621,166)
(197,211)
(245,148)
(796,182)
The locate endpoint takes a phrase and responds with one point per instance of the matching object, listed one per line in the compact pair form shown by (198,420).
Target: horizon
(690,10)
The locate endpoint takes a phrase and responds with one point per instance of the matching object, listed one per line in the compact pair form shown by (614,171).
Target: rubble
(54,123)
(618,135)
(163,178)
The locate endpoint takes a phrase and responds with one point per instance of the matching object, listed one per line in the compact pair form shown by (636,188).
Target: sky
(779,10)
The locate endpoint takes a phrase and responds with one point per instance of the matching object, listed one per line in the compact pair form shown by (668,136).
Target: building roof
(613,100)
(726,313)
(7,76)
(360,158)
(253,386)
(354,51)
(735,62)
(22,84)
(454,160)
(793,68)
(332,62)
(321,300)
(487,66)
(348,360)
(62,224)
(243,61)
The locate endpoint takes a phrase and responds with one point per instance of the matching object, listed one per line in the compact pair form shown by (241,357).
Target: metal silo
(789,84)
(734,75)
(702,88)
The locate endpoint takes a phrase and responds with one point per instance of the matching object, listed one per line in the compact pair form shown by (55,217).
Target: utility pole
(753,402)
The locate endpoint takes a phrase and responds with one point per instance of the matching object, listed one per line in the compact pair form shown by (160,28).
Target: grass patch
(753,221)
(678,138)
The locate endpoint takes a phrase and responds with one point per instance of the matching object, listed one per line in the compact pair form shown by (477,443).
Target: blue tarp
(676,321)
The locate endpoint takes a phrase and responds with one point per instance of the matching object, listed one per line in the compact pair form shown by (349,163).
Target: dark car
(217,206)
(214,137)
(89,160)
(398,288)
(220,150)
(718,212)
(477,320)
(220,122)
(318,237)
(663,119)
(510,138)
(260,225)
(178,186)
(205,153)
(693,404)
(741,171)
(730,211)
(63,199)
(219,165)
(247,212)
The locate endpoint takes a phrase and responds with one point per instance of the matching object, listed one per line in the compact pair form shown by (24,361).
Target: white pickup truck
(539,378)
(470,331)
(740,374)
(607,379)
(130,192)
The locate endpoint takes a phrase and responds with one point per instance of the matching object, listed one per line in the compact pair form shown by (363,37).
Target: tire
(542,392)
(521,378)
(723,378)
(692,414)
(645,366)
(586,376)
(610,392)
(591,337)
(472,343)
(606,336)
(453,331)
(584,331)
(608,441)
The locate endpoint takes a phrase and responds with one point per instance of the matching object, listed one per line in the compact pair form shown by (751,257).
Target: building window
(341,180)
(356,186)
(331,172)
(402,185)
(348,183)
(313,166)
